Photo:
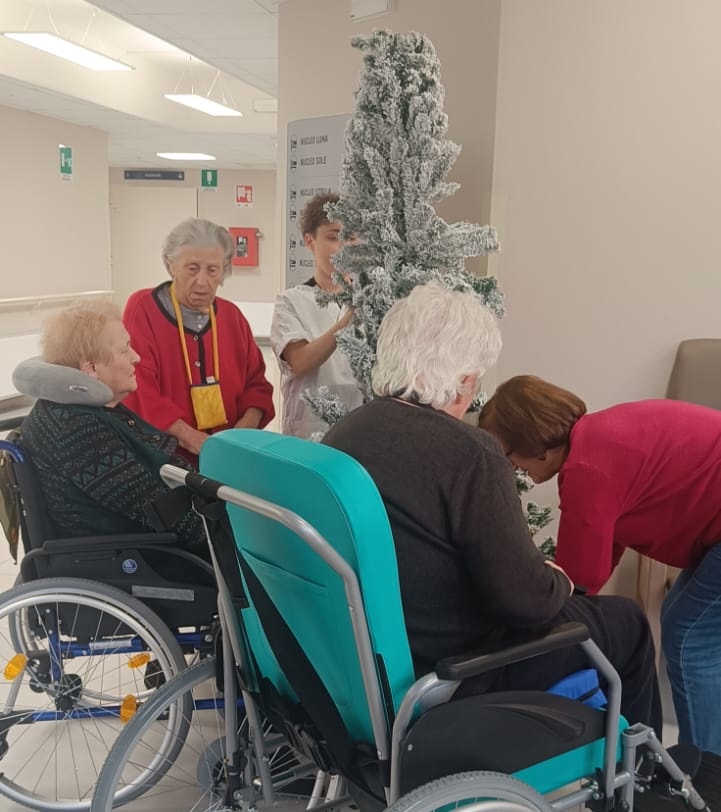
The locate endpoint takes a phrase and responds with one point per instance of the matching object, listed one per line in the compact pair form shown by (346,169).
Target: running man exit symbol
(209,178)
(66,161)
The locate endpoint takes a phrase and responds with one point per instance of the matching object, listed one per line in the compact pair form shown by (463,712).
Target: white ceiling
(239,37)
(233,57)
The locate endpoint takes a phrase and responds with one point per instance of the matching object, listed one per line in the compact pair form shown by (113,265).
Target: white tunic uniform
(297,317)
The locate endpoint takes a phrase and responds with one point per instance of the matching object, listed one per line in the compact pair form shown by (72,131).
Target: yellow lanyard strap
(181,334)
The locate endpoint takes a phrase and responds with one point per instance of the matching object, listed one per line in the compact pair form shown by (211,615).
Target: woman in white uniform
(303,334)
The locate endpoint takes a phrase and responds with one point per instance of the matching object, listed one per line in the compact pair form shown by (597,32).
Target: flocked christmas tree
(394,169)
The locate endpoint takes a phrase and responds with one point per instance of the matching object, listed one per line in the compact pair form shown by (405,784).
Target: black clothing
(468,569)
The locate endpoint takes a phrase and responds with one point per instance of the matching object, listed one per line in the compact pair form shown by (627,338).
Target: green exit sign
(66,161)
(209,178)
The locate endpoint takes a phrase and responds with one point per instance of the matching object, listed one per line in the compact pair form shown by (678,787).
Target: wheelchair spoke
(71,646)
(194,779)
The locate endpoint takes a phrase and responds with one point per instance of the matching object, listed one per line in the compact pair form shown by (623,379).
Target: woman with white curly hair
(469,572)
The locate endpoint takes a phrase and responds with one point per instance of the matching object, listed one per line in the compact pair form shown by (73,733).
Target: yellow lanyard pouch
(207,399)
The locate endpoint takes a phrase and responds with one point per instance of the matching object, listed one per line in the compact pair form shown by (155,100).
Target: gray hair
(196,233)
(429,341)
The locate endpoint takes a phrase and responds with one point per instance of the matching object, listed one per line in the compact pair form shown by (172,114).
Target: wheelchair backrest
(335,495)
(35,524)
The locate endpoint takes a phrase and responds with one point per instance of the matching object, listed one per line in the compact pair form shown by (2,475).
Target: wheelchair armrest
(463,666)
(110,542)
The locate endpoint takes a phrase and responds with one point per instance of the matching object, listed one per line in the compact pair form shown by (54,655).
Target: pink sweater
(645,475)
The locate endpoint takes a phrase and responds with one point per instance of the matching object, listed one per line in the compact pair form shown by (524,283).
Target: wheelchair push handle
(471,664)
(12,449)
(177,477)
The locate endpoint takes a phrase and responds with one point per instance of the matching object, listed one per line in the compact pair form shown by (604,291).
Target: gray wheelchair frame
(601,791)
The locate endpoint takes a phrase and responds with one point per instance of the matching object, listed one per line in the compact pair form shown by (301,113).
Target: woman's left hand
(250,419)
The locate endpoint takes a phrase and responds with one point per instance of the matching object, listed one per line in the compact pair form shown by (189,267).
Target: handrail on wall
(51,298)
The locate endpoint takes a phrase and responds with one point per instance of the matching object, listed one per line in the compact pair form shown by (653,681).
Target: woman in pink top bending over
(645,475)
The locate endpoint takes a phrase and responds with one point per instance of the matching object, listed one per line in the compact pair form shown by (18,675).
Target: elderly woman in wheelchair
(97,463)
(334,639)
(79,649)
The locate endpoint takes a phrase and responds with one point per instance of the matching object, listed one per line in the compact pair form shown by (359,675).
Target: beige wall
(607,186)
(136,200)
(607,191)
(318,74)
(55,234)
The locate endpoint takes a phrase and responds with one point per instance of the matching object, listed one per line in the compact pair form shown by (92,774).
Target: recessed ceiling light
(57,46)
(185,156)
(202,103)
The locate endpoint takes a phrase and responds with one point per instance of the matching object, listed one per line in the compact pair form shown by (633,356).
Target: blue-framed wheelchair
(91,629)
(313,629)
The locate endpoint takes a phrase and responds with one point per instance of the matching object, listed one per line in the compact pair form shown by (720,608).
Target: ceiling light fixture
(63,48)
(185,156)
(202,103)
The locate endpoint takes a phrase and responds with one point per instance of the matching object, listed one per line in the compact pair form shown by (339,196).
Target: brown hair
(314,213)
(530,415)
(75,334)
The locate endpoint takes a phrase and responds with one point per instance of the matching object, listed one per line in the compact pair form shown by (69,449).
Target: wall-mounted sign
(66,162)
(246,247)
(244,195)
(209,179)
(315,153)
(153,174)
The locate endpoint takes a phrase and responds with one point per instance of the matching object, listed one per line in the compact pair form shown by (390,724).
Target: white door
(140,219)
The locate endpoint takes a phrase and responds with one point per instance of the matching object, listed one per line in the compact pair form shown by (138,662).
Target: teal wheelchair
(314,640)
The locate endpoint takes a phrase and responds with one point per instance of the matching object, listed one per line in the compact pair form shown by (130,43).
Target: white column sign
(315,152)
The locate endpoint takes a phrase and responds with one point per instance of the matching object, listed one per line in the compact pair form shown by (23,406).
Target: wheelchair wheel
(475,792)
(136,776)
(74,657)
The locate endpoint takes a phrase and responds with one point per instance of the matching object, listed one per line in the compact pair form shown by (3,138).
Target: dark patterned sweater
(98,467)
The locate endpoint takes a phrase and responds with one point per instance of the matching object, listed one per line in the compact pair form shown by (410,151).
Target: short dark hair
(529,415)
(314,214)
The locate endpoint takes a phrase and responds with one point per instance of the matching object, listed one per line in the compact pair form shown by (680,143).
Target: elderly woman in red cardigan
(200,370)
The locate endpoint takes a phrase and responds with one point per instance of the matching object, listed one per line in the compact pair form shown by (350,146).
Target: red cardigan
(645,475)
(163,395)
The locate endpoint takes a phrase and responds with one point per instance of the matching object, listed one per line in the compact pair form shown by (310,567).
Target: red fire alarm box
(245,241)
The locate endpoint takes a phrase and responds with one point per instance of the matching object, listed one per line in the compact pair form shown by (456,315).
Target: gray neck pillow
(39,379)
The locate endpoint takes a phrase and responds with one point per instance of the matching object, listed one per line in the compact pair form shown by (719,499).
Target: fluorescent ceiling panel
(203,104)
(63,48)
(185,156)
